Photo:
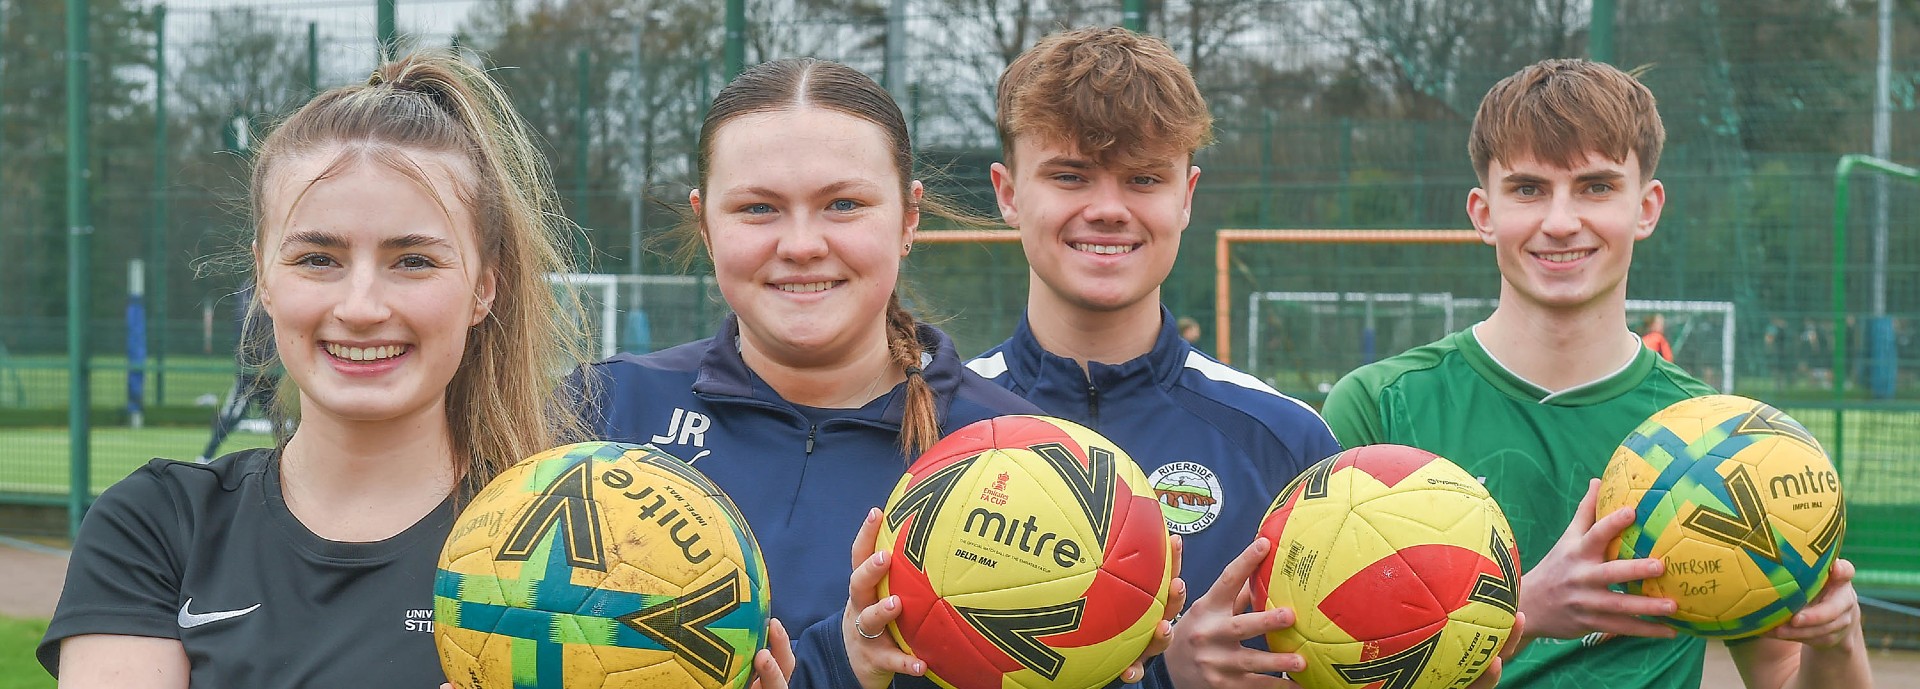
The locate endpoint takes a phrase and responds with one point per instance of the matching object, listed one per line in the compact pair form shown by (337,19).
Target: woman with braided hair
(820,388)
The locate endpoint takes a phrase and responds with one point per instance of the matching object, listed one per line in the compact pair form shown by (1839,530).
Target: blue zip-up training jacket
(804,488)
(1217,444)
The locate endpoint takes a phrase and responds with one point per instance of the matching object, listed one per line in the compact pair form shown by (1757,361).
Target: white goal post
(606,299)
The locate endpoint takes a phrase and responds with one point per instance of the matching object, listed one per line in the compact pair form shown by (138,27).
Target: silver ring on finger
(863,630)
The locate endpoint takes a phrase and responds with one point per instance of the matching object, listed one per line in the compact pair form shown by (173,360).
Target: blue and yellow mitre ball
(1740,502)
(600,565)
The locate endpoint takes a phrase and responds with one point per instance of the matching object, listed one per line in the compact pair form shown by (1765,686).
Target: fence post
(894,78)
(1882,149)
(3,107)
(583,77)
(79,268)
(158,243)
(1346,172)
(1266,169)
(1600,32)
(313,59)
(1133,15)
(637,165)
(389,40)
(736,48)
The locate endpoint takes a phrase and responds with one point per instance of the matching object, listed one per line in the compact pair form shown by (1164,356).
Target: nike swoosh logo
(189,620)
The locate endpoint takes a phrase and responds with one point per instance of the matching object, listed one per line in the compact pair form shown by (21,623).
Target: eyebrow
(317,238)
(835,187)
(329,240)
(1069,162)
(410,241)
(1583,178)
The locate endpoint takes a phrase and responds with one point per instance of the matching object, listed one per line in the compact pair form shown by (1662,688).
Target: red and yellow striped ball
(1027,552)
(1400,569)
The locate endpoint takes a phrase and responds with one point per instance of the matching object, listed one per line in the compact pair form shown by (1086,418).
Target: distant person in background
(1856,351)
(1189,329)
(1653,334)
(1779,353)
(1906,362)
(636,334)
(1811,346)
(255,375)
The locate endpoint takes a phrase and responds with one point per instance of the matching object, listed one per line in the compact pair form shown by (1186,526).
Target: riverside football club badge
(1189,496)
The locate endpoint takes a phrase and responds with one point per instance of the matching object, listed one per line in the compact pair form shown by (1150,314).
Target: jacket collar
(724,373)
(1160,366)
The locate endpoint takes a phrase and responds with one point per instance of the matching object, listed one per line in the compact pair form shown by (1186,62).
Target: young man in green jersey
(1534,399)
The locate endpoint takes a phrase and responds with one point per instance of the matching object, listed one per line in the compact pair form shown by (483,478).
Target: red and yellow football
(1028,552)
(1400,569)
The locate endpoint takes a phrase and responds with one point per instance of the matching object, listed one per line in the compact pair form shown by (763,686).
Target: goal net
(1301,308)
(1329,333)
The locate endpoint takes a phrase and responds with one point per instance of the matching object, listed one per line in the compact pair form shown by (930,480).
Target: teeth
(1103,249)
(1565,256)
(366,353)
(805,287)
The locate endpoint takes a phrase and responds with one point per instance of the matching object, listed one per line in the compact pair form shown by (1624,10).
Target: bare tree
(236,77)
(848,31)
(976,41)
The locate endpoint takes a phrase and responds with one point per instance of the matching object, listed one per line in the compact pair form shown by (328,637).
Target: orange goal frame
(1224,240)
(966,236)
(1223,248)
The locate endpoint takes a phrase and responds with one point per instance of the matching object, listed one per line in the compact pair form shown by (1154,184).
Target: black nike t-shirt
(210,555)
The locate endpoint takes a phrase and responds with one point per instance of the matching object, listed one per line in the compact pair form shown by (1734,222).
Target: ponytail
(920,425)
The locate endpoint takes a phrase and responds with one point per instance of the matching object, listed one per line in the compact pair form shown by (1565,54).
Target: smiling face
(1098,237)
(804,217)
(371,284)
(1564,237)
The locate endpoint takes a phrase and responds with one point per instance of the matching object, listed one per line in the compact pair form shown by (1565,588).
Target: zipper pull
(1093,403)
(810,431)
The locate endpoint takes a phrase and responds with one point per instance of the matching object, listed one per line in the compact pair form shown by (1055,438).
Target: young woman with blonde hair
(403,232)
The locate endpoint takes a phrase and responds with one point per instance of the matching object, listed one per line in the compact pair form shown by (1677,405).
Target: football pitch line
(34,460)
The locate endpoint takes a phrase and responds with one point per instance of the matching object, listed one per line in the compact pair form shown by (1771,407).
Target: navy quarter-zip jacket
(803,485)
(1217,444)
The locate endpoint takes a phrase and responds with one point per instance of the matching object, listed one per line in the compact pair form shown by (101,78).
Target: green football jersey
(1535,451)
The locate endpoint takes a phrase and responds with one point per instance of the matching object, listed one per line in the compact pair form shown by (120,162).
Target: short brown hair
(1558,111)
(1119,96)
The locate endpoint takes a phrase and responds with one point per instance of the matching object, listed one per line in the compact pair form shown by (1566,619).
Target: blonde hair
(502,403)
(794,83)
